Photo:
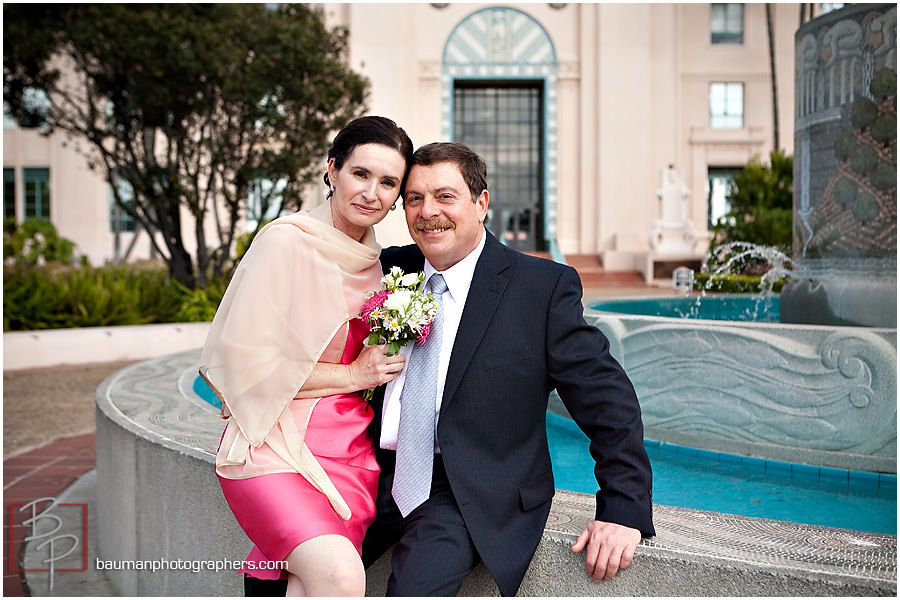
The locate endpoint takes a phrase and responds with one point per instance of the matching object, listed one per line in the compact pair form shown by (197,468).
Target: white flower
(403,315)
(409,280)
(398,300)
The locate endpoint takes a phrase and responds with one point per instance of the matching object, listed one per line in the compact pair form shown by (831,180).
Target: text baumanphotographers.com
(195,566)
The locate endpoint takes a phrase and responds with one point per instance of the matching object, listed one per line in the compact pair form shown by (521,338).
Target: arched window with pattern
(499,98)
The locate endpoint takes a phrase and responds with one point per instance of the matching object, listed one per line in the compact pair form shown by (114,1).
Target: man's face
(442,218)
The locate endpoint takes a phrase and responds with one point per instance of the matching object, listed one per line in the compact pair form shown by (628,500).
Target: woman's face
(365,187)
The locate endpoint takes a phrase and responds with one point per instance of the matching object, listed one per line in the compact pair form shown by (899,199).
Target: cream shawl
(297,286)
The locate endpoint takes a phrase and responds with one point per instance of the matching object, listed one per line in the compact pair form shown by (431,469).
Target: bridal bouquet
(399,313)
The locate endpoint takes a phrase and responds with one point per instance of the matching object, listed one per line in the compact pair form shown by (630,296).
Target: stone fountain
(845,170)
(820,387)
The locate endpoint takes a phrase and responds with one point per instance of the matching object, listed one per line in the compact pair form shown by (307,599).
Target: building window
(9,123)
(503,123)
(719,182)
(726,105)
(38,105)
(263,202)
(726,23)
(9,193)
(37,194)
(119,219)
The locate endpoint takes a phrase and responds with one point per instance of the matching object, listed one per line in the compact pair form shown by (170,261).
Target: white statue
(672,233)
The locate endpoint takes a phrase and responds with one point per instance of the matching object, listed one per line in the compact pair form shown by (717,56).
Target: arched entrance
(499,97)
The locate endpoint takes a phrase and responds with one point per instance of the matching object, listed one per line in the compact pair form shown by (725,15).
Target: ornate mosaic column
(845,170)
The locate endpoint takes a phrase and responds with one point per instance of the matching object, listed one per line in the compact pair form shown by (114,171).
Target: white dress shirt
(458,279)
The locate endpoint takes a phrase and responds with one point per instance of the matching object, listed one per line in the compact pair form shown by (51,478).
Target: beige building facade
(577,107)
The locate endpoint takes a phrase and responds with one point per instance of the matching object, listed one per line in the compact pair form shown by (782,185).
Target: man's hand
(610,547)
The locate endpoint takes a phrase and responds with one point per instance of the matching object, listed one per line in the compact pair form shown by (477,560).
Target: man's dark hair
(470,165)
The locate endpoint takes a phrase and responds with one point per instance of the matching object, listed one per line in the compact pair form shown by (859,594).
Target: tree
(190,105)
(760,204)
(773,79)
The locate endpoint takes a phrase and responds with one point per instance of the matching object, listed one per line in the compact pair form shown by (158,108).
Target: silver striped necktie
(418,400)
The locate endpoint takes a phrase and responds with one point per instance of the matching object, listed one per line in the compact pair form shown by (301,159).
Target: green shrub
(34,242)
(733,284)
(200,304)
(760,204)
(57,296)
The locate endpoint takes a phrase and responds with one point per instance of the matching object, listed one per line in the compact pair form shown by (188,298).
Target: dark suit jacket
(522,334)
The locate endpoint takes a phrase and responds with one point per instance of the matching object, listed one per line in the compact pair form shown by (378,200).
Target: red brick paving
(40,473)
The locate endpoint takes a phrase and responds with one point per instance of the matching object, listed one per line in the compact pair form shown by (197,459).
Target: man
(511,330)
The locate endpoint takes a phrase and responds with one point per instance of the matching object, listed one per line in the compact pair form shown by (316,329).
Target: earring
(394,205)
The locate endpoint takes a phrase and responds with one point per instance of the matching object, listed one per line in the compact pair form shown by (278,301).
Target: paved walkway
(41,473)
(48,443)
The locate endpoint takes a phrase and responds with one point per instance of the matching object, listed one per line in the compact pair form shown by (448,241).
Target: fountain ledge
(813,394)
(157,497)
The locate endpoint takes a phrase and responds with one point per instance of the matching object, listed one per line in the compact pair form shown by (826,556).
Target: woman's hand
(373,367)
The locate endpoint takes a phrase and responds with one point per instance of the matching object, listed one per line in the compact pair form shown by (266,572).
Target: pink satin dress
(279,511)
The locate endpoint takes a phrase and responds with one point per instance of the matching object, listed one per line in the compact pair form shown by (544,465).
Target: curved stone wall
(811,394)
(157,498)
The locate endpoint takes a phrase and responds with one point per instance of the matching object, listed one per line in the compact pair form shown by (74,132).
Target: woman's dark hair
(370,130)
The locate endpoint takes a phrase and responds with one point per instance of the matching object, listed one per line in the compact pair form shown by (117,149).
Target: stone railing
(814,394)
(157,497)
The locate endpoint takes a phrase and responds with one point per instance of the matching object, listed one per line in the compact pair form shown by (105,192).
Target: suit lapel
(488,285)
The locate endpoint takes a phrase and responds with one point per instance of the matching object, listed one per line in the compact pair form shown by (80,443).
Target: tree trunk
(770,27)
(203,258)
(181,267)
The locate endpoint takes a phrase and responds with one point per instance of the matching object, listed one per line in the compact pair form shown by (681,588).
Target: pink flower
(375,301)
(423,335)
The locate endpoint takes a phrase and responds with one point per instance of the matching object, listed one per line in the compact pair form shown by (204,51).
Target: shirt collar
(459,276)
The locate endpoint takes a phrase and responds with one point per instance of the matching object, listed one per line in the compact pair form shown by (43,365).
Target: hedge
(59,296)
(733,284)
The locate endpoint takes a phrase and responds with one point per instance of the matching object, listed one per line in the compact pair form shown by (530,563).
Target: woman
(285,355)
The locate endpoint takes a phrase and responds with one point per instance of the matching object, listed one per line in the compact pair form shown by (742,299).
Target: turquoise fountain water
(727,483)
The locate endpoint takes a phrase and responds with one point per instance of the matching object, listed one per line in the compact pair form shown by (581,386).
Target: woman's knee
(346,579)
(328,566)
(337,578)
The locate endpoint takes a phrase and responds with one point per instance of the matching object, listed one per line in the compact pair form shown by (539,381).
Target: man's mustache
(435,223)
